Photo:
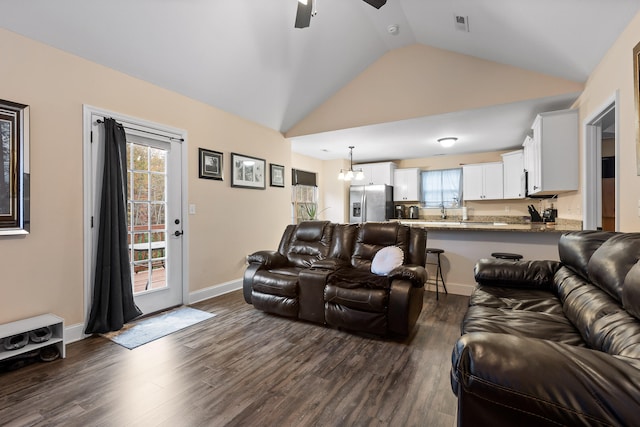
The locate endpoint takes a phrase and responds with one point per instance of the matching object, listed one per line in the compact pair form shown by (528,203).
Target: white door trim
(87,112)
(590,157)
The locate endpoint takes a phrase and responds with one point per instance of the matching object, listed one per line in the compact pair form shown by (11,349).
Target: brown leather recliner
(359,300)
(271,280)
(321,273)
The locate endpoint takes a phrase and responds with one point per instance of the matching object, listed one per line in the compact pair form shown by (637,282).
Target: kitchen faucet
(443,212)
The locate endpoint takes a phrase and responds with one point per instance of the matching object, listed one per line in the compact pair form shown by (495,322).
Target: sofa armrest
(516,274)
(416,274)
(269,259)
(330,264)
(507,380)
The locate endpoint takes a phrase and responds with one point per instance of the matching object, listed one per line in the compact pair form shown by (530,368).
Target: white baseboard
(215,291)
(453,288)
(74,333)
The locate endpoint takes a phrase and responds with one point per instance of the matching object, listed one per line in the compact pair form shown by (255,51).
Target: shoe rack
(25,325)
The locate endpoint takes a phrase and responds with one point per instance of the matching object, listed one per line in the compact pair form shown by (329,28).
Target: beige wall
(333,193)
(43,271)
(420,80)
(615,74)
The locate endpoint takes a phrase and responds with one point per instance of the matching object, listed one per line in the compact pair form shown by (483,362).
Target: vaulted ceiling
(245,56)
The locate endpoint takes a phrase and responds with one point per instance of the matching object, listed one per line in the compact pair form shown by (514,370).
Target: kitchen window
(442,188)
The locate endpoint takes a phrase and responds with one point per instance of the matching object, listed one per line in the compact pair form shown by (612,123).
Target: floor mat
(145,330)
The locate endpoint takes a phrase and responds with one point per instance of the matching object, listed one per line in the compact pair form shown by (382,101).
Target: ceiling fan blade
(303,16)
(376,3)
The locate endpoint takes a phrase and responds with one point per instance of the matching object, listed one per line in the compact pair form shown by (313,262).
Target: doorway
(155,209)
(600,198)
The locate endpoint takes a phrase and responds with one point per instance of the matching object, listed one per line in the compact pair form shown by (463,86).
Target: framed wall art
(247,171)
(210,164)
(276,175)
(636,91)
(14,168)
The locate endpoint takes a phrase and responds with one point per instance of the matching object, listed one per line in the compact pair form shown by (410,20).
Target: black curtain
(113,304)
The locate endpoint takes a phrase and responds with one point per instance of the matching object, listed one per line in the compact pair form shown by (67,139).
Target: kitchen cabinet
(376,173)
(482,181)
(513,175)
(551,153)
(406,185)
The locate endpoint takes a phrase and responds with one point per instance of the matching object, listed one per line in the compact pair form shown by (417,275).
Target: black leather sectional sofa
(321,272)
(548,343)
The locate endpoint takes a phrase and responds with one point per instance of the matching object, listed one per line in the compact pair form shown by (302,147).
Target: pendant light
(350,174)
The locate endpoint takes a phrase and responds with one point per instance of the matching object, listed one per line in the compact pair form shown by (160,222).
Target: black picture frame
(14,169)
(276,175)
(211,164)
(636,90)
(247,171)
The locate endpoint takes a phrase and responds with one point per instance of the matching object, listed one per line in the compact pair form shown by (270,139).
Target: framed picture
(14,168)
(247,171)
(636,87)
(210,164)
(276,175)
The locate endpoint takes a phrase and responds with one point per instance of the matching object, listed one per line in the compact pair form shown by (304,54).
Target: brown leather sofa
(321,272)
(554,343)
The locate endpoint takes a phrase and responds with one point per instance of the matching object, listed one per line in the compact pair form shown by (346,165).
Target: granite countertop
(452,225)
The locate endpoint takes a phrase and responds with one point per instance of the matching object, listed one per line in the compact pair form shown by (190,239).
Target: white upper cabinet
(551,154)
(406,185)
(482,181)
(376,173)
(513,175)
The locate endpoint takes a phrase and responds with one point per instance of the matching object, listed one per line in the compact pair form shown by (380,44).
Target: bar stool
(507,255)
(437,252)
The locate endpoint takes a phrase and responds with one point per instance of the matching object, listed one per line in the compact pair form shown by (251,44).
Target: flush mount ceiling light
(448,141)
(348,175)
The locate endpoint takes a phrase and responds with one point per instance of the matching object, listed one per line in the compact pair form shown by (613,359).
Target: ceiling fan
(306,9)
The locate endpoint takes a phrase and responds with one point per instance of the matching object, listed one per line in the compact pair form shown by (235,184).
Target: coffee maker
(414,212)
(400,212)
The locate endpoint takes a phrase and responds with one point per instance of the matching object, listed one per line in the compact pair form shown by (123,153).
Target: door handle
(178,233)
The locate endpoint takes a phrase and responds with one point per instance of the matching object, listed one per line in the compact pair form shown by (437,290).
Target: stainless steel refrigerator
(370,203)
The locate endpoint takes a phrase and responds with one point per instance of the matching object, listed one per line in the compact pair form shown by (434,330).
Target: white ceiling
(245,57)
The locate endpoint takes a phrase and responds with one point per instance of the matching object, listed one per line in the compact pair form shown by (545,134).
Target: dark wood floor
(246,368)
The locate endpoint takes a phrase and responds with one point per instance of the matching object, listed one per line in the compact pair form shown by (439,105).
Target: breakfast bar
(465,242)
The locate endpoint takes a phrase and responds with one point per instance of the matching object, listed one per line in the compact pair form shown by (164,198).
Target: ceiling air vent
(462,23)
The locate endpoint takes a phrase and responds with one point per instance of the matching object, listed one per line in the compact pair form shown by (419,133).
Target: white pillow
(386,260)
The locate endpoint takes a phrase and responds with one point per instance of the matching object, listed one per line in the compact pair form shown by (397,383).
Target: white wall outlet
(192,209)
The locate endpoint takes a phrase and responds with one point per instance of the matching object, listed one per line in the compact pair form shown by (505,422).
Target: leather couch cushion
(585,305)
(516,299)
(310,242)
(371,300)
(576,248)
(282,282)
(521,323)
(310,231)
(520,274)
(283,306)
(340,316)
(374,236)
(611,262)
(631,291)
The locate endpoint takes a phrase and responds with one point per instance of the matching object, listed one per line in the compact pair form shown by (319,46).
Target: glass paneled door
(154,215)
(154,222)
